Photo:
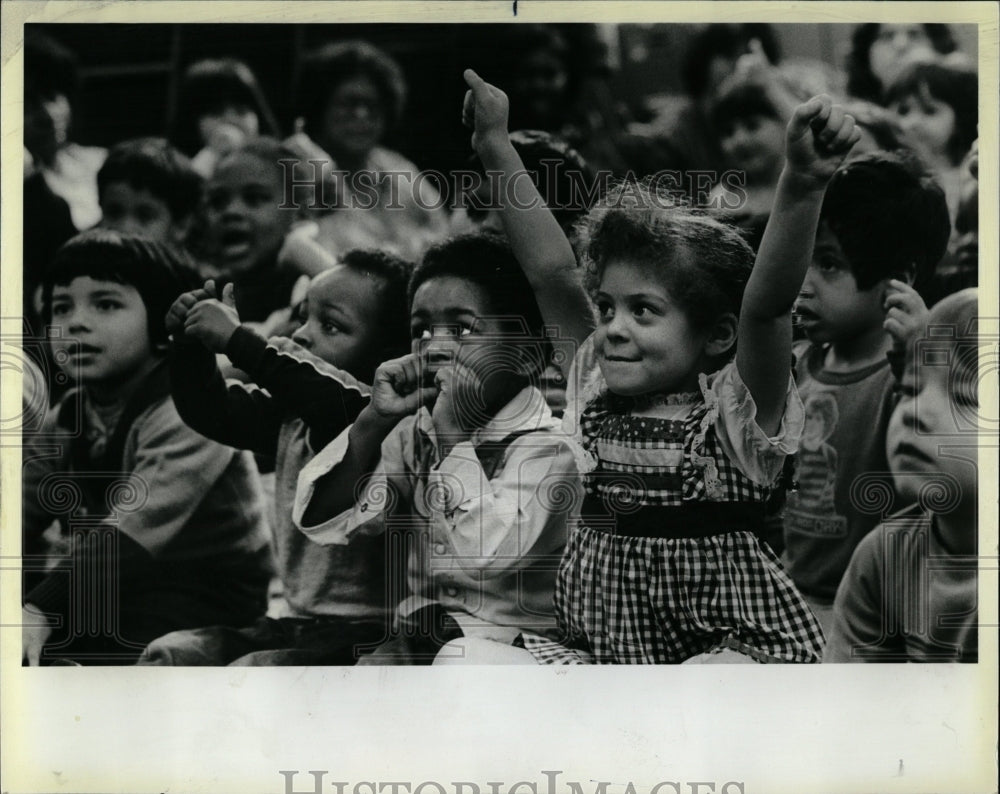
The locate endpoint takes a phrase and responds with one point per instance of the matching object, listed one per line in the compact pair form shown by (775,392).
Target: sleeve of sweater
(300,384)
(240,415)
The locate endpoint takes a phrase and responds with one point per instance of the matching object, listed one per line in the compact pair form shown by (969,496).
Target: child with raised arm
(305,391)
(459,460)
(687,432)
(883,226)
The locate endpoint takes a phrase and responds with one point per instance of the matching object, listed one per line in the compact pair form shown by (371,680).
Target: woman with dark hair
(220,105)
(350,95)
(60,175)
(880,52)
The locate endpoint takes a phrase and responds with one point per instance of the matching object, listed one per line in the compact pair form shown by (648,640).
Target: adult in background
(350,95)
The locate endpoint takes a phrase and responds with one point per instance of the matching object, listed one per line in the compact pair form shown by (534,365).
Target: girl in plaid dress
(685,433)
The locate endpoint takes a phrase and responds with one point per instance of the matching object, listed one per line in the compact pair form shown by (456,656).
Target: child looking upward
(172,523)
(686,440)
(457,451)
(910,591)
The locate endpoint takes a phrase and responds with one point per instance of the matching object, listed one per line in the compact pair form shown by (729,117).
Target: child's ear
(722,335)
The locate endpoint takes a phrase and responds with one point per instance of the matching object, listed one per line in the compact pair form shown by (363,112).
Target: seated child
(910,591)
(168,527)
(148,188)
(687,432)
(883,226)
(315,387)
(460,455)
(245,220)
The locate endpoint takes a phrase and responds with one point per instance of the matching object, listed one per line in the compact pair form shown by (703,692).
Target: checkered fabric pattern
(625,599)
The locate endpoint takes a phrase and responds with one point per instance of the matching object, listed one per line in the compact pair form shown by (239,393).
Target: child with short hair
(458,454)
(170,523)
(304,392)
(245,221)
(883,226)
(910,590)
(147,187)
(686,441)
(220,106)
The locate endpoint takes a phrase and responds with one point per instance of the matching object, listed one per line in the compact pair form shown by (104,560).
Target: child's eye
(331,328)
(605,309)
(423,334)
(217,200)
(58,310)
(107,305)
(464,330)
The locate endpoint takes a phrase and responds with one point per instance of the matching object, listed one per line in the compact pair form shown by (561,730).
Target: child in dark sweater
(355,316)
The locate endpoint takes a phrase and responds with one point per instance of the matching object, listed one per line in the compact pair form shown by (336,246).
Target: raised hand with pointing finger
(484,111)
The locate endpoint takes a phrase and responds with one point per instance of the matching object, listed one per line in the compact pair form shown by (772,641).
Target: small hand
(178,311)
(396,389)
(35,632)
(213,322)
(818,138)
(455,401)
(220,136)
(906,313)
(484,110)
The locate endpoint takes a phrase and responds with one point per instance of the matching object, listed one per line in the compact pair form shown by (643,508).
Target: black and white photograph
(636,361)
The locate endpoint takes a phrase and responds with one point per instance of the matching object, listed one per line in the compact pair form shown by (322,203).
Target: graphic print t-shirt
(844,486)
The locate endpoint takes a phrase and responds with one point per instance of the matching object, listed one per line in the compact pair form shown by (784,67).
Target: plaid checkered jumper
(643,598)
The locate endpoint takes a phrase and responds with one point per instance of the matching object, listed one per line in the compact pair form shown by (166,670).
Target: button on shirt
(486,548)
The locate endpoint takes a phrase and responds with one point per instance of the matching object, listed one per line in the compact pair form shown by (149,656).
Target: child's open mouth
(235,243)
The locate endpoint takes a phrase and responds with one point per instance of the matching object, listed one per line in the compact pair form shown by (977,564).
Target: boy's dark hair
(326,68)
(722,41)
(958,88)
(703,262)
(393,322)
(49,68)
(153,164)
(208,87)
(160,273)
(861,82)
(889,216)
(487,260)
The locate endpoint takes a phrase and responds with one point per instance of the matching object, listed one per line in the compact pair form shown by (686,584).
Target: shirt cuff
(245,349)
(333,530)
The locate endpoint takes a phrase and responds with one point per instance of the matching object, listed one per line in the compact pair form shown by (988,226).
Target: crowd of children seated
(581,414)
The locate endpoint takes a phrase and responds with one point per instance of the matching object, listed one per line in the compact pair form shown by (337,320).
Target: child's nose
(617,327)
(301,337)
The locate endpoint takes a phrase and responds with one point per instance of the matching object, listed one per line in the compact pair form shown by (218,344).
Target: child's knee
(470,650)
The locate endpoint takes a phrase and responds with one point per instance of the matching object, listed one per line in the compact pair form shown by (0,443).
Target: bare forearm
(535,236)
(786,249)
